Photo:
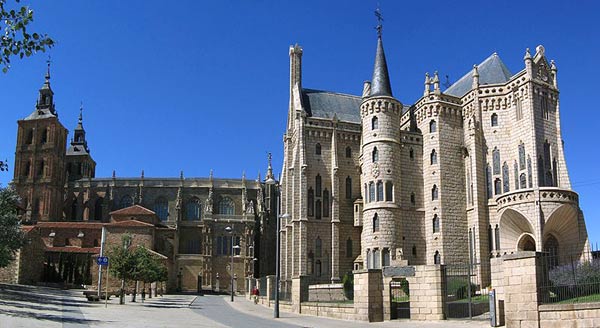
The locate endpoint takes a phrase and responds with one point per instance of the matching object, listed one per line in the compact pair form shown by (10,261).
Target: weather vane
(379,20)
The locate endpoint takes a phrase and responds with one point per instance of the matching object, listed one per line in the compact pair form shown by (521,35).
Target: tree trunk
(134,294)
(122,294)
(143,292)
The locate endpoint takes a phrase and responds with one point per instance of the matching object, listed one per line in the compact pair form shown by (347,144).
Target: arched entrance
(514,228)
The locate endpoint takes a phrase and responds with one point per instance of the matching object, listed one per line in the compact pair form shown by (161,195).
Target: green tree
(16,40)
(11,236)
(122,263)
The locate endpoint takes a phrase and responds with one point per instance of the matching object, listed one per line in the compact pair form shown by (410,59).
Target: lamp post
(230,231)
(272,182)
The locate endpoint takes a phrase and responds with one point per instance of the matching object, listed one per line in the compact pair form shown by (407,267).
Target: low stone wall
(569,315)
(343,311)
(326,293)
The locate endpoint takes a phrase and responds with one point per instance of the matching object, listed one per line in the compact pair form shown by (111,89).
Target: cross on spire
(379,20)
(81,112)
(48,61)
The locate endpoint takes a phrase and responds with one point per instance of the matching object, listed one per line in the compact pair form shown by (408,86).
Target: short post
(106,286)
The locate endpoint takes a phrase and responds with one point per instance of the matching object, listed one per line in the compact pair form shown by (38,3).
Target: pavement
(28,306)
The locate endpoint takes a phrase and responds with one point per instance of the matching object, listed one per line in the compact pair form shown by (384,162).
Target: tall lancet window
(374,123)
(375,155)
(521,156)
(433,157)
(432,126)
(348,187)
(496,160)
(311,202)
(318,185)
(505,177)
(325,203)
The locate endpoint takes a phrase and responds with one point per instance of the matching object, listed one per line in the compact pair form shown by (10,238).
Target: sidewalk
(244,305)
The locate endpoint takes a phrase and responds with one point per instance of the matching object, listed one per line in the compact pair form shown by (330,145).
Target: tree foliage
(11,236)
(16,40)
(135,263)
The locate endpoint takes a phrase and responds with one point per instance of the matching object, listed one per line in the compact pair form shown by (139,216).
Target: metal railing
(568,279)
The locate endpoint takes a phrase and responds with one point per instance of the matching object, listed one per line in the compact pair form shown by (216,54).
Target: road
(27,306)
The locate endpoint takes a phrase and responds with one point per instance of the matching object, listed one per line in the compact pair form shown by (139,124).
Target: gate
(399,299)
(465,297)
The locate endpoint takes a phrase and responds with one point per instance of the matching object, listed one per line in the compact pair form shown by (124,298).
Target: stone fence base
(326,293)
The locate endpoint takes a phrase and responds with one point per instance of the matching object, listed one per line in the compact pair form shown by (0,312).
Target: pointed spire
(269,168)
(436,82)
(48,72)
(380,83)
(527,54)
(475,76)
(427,84)
(80,120)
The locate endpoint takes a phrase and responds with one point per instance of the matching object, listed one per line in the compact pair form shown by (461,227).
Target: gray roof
(325,104)
(491,71)
(77,150)
(380,85)
(39,114)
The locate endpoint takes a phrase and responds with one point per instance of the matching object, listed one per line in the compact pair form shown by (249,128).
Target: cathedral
(459,176)
(182,220)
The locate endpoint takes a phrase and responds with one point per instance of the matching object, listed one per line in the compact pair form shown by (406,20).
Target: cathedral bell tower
(39,176)
(79,161)
(381,237)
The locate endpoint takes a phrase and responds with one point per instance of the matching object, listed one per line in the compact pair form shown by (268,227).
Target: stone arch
(563,226)
(526,242)
(513,225)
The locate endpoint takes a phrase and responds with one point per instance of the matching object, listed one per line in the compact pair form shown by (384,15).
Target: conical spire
(380,84)
(80,120)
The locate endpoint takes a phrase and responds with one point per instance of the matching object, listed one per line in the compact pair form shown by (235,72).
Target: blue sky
(194,85)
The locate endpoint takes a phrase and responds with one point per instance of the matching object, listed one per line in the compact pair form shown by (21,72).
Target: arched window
(36,206)
(433,157)
(369,259)
(411,153)
(376,259)
(516,175)
(193,209)
(497,237)
(522,156)
(126,201)
(522,181)
(325,203)
(318,209)
(318,185)
(379,191)
(497,186)
(490,240)
(371,191)
(386,257)
(436,223)
(437,258)
(311,202)
(74,210)
(318,247)
(505,177)
(348,152)
(494,120)
(29,139)
(40,170)
(529,172)
(27,169)
(98,208)
(432,126)
(44,136)
(412,198)
(389,191)
(518,109)
(414,250)
(161,208)
(366,194)
(374,123)
(226,206)
(318,268)
(434,193)
(551,247)
(496,160)
(375,223)
(348,187)
(318,149)
(375,155)
(544,104)
(349,248)
(488,180)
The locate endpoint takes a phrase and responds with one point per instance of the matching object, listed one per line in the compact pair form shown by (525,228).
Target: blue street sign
(102,260)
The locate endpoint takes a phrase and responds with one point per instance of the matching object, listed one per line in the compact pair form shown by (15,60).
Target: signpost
(103,261)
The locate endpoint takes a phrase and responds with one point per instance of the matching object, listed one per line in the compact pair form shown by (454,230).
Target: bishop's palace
(468,174)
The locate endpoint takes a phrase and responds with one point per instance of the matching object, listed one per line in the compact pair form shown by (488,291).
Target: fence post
(522,271)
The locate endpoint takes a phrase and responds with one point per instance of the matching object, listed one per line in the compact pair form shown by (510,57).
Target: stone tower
(40,159)
(380,167)
(79,161)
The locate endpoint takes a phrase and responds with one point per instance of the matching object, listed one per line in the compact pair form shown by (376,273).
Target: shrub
(457,286)
(348,282)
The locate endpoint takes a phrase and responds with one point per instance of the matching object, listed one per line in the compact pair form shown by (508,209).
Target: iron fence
(285,293)
(568,279)
(262,286)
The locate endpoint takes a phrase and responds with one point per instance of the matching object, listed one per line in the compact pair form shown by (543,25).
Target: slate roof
(324,104)
(77,150)
(133,210)
(38,114)
(491,71)
(380,84)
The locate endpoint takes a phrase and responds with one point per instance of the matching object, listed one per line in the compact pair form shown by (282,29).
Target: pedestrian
(255,293)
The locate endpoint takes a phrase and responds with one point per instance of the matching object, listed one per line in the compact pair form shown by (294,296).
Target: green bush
(348,282)
(457,286)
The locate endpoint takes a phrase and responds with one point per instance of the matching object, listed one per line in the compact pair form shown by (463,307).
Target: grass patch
(400,299)
(581,299)
(474,299)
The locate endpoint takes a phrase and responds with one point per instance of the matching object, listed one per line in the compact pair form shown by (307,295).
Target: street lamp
(229,230)
(272,182)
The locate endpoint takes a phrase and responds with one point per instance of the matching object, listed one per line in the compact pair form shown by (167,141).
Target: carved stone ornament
(375,170)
